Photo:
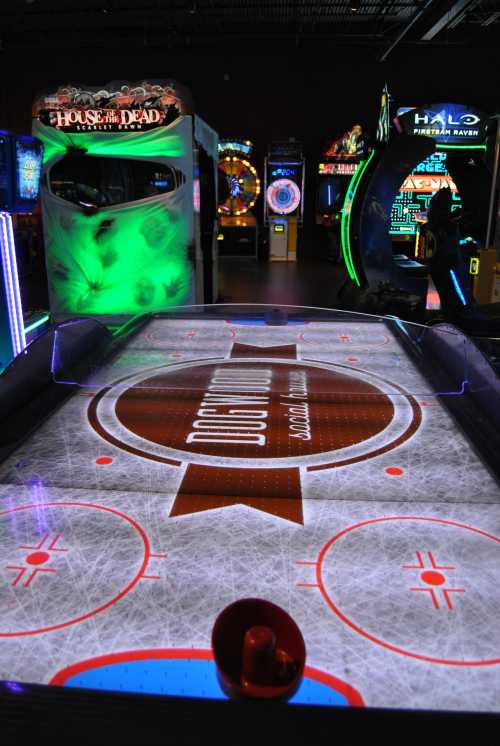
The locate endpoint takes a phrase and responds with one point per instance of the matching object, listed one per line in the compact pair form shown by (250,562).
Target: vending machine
(284,203)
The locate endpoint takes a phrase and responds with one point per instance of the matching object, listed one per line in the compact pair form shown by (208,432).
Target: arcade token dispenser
(284,203)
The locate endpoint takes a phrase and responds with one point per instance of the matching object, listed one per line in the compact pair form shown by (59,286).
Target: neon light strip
(13,293)
(460,147)
(458,288)
(345,223)
(36,324)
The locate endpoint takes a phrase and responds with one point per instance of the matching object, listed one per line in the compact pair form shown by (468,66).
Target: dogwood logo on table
(224,415)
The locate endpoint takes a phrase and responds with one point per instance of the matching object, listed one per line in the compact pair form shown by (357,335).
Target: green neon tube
(460,147)
(36,324)
(345,224)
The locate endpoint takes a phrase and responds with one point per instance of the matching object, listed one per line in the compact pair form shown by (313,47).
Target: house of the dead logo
(113,108)
(106,119)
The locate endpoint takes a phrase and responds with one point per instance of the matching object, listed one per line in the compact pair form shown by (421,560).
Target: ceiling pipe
(403,33)
(454,13)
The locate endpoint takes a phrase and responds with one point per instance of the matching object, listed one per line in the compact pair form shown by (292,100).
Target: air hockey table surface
(311,463)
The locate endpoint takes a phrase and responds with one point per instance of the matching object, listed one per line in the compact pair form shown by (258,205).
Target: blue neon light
(457,287)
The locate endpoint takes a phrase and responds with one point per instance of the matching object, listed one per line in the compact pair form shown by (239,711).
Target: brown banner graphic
(274,491)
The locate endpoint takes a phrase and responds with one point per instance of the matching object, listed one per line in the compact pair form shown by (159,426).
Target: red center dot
(431,577)
(37,558)
(394,471)
(104,460)
(353,359)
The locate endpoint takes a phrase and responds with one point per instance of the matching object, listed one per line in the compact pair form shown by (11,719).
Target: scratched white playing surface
(391,577)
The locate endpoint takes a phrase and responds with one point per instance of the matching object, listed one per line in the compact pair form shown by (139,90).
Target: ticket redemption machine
(20,168)
(239,189)
(284,203)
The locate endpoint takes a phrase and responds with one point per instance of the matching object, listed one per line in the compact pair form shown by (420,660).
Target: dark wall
(313,94)
(309,93)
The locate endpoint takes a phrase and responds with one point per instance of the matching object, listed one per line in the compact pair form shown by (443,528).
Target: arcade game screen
(29,166)
(416,192)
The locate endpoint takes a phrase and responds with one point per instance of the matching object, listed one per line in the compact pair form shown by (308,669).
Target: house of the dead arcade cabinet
(20,168)
(284,198)
(239,189)
(461,133)
(338,165)
(129,198)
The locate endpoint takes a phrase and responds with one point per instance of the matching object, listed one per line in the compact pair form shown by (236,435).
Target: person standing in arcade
(446,262)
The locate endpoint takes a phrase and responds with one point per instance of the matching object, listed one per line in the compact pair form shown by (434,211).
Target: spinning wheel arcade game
(20,167)
(124,229)
(239,188)
(338,166)
(457,131)
(284,203)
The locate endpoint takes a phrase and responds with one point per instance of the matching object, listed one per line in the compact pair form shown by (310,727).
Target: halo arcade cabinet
(20,168)
(284,204)
(238,191)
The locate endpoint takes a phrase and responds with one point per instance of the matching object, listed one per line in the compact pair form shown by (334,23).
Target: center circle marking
(38,558)
(328,593)
(351,417)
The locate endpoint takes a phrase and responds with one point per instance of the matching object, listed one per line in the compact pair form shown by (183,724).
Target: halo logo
(446,120)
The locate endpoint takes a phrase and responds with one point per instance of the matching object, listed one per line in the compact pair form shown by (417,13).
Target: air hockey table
(342,466)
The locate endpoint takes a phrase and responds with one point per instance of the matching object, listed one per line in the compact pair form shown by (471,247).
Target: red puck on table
(258,650)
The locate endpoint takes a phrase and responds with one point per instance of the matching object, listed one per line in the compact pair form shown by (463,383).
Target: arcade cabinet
(339,163)
(20,167)
(239,188)
(129,199)
(449,137)
(284,203)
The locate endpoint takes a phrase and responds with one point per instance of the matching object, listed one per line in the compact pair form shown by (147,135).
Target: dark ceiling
(381,27)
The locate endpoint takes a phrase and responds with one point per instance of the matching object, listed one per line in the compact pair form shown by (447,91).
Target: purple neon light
(12,290)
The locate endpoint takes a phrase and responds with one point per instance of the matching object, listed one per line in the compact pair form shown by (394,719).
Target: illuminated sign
(235,146)
(278,228)
(446,123)
(431,183)
(350,145)
(75,120)
(114,108)
(338,169)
